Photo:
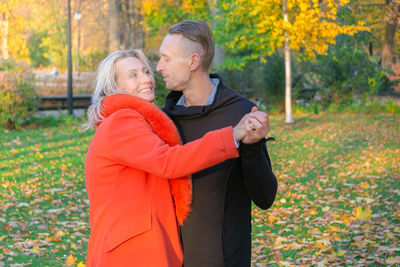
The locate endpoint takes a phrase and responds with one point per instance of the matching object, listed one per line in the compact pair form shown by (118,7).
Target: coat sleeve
(260,181)
(133,143)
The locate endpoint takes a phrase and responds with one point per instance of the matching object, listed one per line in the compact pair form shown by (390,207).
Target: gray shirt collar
(182,100)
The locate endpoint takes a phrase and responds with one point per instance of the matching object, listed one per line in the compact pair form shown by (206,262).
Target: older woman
(136,171)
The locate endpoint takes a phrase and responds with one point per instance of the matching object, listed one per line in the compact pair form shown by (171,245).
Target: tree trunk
(219,51)
(371,49)
(126,24)
(4,35)
(78,17)
(391,20)
(387,50)
(137,19)
(132,24)
(113,26)
(288,75)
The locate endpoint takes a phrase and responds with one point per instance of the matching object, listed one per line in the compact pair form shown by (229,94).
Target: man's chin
(173,88)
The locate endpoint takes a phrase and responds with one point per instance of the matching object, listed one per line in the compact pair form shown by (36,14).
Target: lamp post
(78,16)
(70,105)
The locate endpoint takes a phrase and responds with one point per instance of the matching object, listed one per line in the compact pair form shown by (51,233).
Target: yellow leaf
(80,264)
(364,185)
(363,214)
(70,259)
(272,219)
(60,233)
(389,235)
(313,212)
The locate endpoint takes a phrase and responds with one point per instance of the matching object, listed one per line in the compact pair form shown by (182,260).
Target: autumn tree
(3,35)
(160,15)
(382,17)
(113,26)
(391,21)
(14,22)
(259,28)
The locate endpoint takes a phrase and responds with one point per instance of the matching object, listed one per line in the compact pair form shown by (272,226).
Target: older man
(218,229)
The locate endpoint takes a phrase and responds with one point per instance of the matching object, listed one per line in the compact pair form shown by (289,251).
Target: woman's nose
(145,77)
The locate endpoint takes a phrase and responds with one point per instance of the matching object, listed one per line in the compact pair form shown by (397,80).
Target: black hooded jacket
(217,232)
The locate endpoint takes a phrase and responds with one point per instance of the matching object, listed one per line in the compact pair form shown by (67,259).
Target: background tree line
(327,51)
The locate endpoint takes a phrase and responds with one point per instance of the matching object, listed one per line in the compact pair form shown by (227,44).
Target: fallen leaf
(363,214)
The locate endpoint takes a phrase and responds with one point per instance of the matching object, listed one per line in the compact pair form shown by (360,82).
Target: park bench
(58,102)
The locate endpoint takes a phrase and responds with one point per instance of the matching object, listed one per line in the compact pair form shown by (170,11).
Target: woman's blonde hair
(106,84)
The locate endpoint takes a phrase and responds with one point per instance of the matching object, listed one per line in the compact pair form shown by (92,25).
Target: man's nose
(159,67)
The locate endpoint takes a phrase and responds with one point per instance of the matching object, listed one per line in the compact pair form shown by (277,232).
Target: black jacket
(218,229)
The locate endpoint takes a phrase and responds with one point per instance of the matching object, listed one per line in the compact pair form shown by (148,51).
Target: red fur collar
(181,188)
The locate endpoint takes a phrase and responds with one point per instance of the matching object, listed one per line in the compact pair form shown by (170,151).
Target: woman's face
(134,77)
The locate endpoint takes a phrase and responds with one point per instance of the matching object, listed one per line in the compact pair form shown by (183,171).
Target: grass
(339,193)
(337,203)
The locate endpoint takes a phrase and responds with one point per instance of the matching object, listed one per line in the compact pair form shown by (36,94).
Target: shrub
(161,91)
(371,105)
(91,60)
(391,107)
(18,97)
(347,72)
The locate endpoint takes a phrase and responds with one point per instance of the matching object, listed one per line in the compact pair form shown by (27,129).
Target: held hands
(252,127)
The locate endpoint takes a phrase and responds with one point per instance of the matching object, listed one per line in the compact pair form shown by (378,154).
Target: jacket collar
(162,125)
(224,96)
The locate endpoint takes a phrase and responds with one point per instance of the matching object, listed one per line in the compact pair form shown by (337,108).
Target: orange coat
(130,170)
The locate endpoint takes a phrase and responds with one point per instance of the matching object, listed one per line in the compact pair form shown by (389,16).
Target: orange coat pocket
(134,221)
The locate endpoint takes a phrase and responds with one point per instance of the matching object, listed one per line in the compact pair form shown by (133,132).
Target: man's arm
(260,181)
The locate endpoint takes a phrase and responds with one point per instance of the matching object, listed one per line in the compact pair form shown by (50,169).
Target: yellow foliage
(312,25)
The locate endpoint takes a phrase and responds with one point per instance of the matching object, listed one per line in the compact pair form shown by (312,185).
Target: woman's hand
(252,127)
(239,131)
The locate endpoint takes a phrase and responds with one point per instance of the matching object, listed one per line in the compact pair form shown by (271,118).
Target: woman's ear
(195,62)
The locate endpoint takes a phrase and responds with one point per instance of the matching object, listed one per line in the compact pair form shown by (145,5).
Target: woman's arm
(133,143)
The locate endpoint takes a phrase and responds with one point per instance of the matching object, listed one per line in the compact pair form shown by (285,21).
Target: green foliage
(8,65)
(345,72)
(55,45)
(273,75)
(37,51)
(262,82)
(161,91)
(18,97)
(371,105)
(247,81)
(90,61)
(391,107)
(160,15)
(55,121)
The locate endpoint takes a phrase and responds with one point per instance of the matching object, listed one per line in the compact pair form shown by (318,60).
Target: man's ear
(195,62)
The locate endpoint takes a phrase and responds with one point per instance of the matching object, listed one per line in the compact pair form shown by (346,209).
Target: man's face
(174,63)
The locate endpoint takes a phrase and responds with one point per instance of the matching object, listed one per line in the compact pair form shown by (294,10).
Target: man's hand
(257,126)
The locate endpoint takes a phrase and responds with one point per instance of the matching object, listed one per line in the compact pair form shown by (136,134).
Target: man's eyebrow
(162,53)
